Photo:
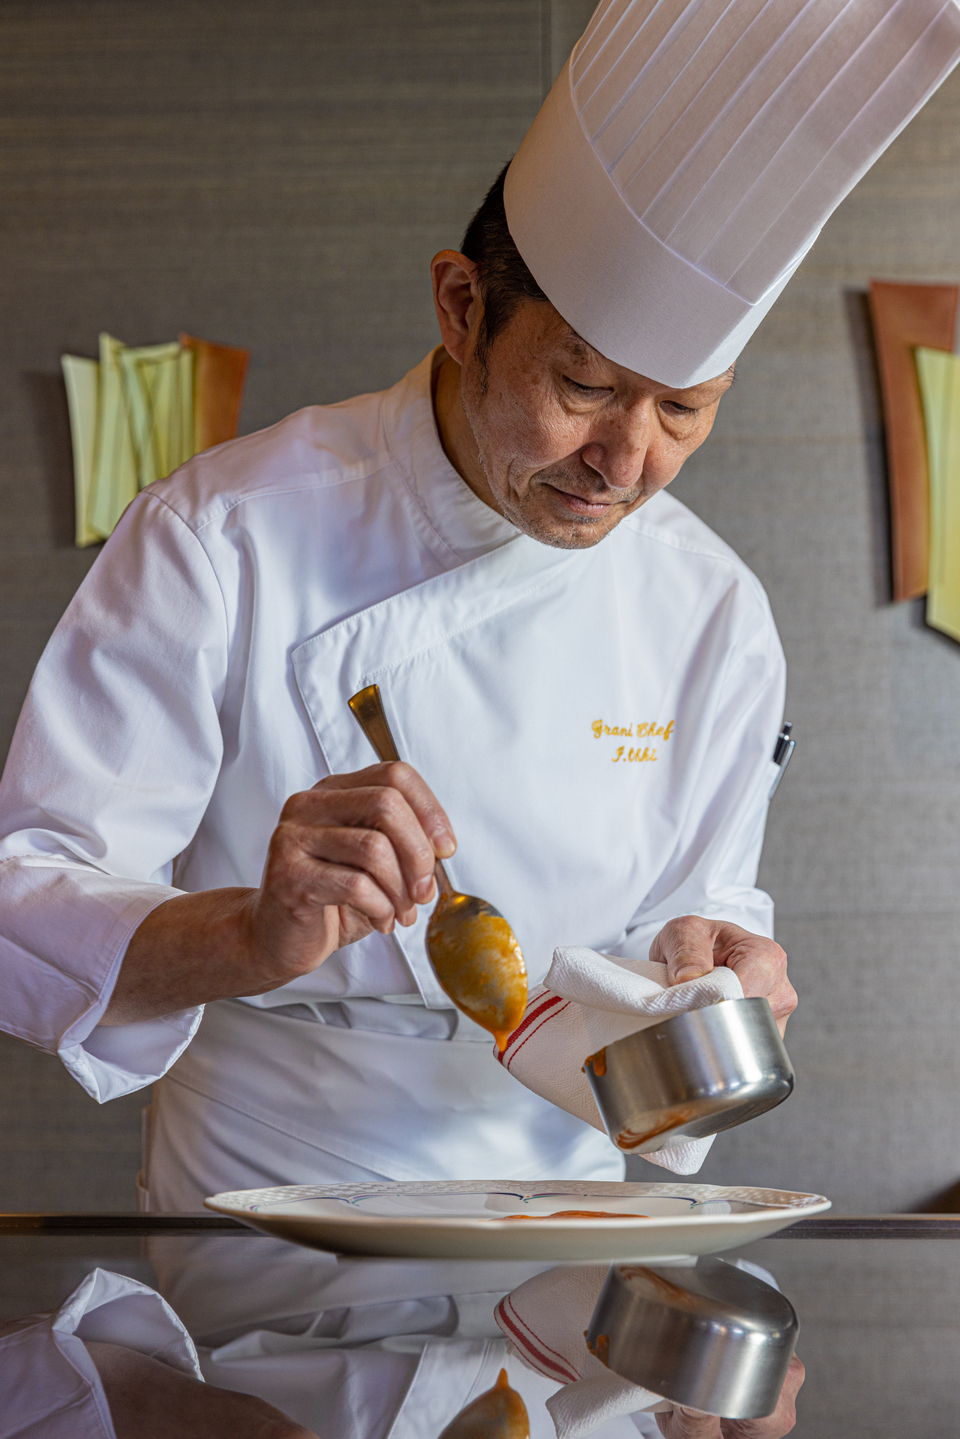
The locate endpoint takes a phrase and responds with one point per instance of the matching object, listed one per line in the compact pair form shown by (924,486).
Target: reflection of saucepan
(691,1075)
(711,1337)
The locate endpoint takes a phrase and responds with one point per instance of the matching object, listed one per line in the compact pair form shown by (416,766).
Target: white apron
(261,1099)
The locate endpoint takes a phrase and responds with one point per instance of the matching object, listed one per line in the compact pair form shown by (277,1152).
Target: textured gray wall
(272,175)
(879,1334)
(863,843)
(278,176)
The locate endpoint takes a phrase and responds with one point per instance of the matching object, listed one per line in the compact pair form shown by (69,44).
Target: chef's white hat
(689,153)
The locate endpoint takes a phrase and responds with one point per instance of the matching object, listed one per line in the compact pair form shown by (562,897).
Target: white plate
(480,1219)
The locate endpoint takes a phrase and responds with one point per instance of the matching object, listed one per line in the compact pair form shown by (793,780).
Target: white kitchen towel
(588,1000)
(544,1321)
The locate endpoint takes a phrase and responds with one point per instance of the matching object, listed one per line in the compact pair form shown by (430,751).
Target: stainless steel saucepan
(691,1075)
(711,1337)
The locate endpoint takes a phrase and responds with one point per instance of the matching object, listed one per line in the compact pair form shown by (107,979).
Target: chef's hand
(691,947)
(354,854)
(691,1424)
(150,1400)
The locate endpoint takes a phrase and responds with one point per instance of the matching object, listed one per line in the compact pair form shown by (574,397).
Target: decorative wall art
(939,376)
(914,328)
(139,412)
(905,316)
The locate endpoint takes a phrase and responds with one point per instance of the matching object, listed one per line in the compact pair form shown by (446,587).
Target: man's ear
(456,295)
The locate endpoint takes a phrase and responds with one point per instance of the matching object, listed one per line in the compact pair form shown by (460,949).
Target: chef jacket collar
(464,525)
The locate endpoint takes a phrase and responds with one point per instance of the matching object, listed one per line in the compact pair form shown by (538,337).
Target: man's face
(569,442)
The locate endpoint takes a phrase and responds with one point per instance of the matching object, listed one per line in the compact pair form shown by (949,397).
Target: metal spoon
(472,948)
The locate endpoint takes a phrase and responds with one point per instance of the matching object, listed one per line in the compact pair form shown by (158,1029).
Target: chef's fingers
(415,790)
(692,946)
(689,1424)
(364,851)
(761,967)
(781,1421)
(373,806)
(685,946)
(298,887)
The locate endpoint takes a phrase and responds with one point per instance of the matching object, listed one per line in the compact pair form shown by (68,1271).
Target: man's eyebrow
(577,346)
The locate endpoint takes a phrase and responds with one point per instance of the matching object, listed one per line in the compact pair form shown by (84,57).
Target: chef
(206,882)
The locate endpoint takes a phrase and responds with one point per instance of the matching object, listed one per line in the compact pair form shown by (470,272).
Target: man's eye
(680,409)
(585,389)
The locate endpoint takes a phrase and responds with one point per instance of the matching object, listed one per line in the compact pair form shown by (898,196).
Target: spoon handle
(368,711)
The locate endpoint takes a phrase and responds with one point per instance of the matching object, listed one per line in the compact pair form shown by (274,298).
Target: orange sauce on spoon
(483,972)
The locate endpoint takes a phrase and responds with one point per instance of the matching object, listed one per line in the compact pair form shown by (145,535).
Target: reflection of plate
(475,1219)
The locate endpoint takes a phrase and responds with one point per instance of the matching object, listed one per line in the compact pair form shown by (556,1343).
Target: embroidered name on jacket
(639,729)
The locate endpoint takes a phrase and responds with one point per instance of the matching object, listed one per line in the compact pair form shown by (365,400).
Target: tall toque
(690,152)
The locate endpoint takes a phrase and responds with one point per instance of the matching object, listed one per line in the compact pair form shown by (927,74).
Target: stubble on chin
(559,534)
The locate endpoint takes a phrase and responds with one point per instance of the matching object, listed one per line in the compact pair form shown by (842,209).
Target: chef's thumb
(686,947)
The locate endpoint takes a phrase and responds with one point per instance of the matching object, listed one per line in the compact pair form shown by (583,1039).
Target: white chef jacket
(598,724)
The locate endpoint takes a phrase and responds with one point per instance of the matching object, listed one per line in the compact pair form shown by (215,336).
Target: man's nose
(619,454)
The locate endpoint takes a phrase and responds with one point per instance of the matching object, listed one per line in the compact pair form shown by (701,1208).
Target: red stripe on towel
(513,1322)
(534,1032)
(547,1002)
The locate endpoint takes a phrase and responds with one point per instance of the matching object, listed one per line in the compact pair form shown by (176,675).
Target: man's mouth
(577,505)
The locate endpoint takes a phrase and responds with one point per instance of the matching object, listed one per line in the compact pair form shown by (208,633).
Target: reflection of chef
(351,1346)
(306,1344)
(586,678)
(382,1349)
(318,1354)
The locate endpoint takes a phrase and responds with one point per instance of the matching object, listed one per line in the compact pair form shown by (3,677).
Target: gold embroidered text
(643,729)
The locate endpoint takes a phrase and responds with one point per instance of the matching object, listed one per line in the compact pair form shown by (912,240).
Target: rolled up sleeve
(111,769)
(49,1382)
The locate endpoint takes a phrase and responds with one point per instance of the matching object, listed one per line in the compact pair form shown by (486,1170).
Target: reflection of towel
(589,1000)
(545,1320)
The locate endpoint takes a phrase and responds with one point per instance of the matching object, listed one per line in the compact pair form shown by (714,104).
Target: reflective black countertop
(398,1349)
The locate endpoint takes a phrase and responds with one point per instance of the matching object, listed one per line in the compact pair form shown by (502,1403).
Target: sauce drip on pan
(673,1119)
(500,1413)
(600,1348)
(482,971)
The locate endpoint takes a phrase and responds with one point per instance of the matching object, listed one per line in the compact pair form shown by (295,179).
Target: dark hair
(505,280)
